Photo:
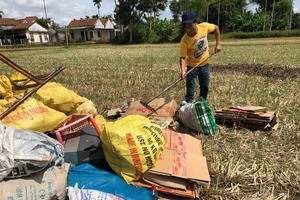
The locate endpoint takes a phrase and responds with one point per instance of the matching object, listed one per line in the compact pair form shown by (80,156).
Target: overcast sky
(63,11)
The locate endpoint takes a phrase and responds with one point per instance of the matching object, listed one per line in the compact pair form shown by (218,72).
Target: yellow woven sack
(5,87)
(34,115)
(7,98)
(132,145)
(100,121)
(58,97)
(87,107)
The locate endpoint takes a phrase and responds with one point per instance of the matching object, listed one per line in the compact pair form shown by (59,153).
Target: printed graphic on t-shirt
(199,46)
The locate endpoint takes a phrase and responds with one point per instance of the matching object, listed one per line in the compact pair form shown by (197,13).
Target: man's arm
(182,67)
(218,39)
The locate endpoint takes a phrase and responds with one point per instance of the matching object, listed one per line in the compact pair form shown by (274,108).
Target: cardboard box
(165,110)
(189,193)
(181,161)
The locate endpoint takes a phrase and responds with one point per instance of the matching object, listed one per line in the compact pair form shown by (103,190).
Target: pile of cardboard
(182,165)
(251,117)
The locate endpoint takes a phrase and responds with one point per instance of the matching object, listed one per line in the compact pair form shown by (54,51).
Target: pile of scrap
(56,145)
(250,117)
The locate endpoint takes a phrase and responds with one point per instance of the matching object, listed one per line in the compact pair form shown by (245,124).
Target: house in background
(22,31)
(93,29)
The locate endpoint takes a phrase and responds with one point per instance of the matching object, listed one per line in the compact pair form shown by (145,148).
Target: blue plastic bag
(90,177)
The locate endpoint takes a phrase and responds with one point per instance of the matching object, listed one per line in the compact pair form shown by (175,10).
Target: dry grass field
(243,164)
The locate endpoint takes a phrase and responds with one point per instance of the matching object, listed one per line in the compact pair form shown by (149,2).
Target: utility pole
(66,32)
(45,11)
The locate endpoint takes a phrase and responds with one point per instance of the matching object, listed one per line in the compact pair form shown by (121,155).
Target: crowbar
(173,84)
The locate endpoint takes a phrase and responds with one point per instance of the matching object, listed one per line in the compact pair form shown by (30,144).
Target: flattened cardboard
(252,117)
(250,108)
(189,193)
(165,181)
(182,158)
(182,165)
(182,142)
(163,107)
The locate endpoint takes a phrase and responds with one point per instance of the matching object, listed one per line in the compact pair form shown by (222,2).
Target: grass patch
(243,164)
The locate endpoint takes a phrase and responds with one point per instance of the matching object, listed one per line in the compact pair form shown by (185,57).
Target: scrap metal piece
(27,95)
(146,103)
(39,82)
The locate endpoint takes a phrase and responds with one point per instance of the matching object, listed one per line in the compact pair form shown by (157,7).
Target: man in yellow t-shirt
(194,50)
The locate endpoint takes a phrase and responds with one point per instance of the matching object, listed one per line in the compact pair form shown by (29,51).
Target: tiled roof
(19,23)
(20,20)
(13,21)
(83,22)
(23,25)
(8,21)
(30,18)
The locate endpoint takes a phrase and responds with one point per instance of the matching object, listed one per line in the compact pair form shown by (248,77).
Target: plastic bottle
(154,191)
(165,125)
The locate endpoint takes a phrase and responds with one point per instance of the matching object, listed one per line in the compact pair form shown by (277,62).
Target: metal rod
(17,68)
(16,104)
(178,80)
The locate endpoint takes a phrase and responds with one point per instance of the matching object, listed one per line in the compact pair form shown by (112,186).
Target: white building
(93,29)
(22,31)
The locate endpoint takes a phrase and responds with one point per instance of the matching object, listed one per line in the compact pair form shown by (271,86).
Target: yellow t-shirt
(196,48)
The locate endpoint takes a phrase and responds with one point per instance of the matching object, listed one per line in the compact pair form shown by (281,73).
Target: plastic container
(73,124)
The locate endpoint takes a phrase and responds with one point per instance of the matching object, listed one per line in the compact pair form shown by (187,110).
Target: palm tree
(1,13)
(98,4)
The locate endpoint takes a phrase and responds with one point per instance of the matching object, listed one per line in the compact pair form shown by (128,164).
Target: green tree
(247,21)
(130,12)
(43,22)
(281,12)
(98,4)
(95,16)
(1,13)
(54,25)
(177,7)
(228,13)
(208,10)
(107,17)
(176,10)
(296,21)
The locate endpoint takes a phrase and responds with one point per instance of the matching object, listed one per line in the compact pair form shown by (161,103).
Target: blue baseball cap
(188,17)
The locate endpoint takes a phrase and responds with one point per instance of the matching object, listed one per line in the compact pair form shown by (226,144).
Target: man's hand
(217,48)
(183,75)
(218,39)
